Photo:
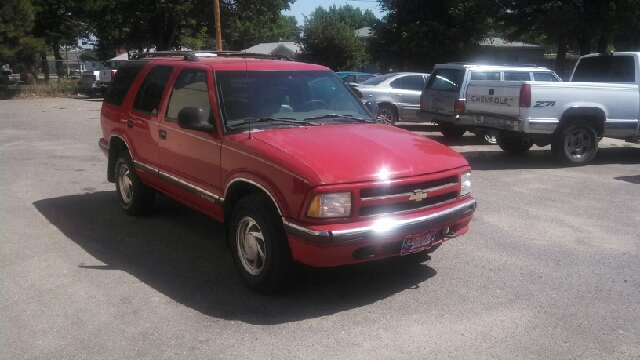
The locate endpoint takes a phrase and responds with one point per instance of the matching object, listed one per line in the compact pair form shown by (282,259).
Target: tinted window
(544,76)
(378,79)
(150,93)
(446,80)
(397,83)
(517,76)
(605,69)
(485,75)
(414,82)
(349,78)
(190,90)
(122,81)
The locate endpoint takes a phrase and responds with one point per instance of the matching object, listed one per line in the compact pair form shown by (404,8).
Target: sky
(305,7)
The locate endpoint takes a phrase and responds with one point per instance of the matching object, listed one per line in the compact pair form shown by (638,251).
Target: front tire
(259,245)
(134,196)
(575,144)
(514,144)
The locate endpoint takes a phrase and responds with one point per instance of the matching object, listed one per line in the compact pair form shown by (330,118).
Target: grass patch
(53,88)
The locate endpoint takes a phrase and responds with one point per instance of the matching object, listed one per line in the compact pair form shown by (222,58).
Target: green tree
(59,22)
(416,34)
(329,37)
(17,19)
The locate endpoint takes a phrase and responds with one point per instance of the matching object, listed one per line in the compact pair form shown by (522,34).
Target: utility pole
(216,7)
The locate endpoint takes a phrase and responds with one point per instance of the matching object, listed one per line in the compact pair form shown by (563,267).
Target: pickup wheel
(135,197)
(386,115)
(513,144)
(259,245)
(575,144)
(452,132)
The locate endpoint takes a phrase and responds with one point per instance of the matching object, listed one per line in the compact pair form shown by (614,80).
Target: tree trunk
(561,55)
(45,67)
(56,52)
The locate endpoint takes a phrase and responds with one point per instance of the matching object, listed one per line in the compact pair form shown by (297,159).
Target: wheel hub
(578,143)
(251,246)
(124,183)
(385,117)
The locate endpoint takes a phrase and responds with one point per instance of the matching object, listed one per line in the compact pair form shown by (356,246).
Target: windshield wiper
(336,116)
(268,119)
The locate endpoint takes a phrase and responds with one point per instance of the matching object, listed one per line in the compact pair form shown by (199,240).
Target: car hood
(362,152)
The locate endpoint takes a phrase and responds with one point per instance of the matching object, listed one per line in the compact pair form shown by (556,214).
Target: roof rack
(196,55)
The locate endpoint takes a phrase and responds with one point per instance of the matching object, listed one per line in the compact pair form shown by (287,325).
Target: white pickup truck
(602,98)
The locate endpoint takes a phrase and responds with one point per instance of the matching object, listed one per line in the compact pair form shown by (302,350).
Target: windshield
(267,99)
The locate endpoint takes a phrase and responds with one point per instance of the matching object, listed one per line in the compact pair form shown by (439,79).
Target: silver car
(397,95)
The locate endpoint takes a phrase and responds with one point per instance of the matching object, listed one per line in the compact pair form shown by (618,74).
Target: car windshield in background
(269,99)
(445,80)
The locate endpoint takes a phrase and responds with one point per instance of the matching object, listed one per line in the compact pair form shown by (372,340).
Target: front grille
(396,207)
(394,190)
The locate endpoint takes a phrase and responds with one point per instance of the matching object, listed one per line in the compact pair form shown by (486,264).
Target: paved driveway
(549,269)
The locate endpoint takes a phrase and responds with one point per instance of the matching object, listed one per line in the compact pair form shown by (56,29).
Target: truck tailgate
(494,97)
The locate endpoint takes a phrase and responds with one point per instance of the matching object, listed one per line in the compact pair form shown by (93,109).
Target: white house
(283,48)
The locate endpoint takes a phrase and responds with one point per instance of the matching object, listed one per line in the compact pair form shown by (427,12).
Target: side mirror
(192,118)
(373,107)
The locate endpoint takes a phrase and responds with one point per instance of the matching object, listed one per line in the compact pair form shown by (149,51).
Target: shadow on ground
(630,179)
(542,159)
(181,253)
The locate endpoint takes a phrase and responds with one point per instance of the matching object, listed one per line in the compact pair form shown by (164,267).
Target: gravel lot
(549,269)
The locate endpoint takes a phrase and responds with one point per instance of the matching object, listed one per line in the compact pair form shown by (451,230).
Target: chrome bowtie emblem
(418,195)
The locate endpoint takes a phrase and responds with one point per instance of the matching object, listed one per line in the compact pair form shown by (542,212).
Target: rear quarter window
(446,80)
(516,76)
(544,76)
(605,69)
(121,82)
(485,75)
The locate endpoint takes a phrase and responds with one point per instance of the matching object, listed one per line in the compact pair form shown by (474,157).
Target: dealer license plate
(418,242)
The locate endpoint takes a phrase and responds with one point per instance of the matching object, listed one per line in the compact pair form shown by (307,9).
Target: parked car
(397,95)
(285,156)
(89,83)
(443,99)
(354,77)
(601,99)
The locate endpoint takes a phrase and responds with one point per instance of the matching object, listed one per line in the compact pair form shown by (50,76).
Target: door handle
(130,124)
(162,134)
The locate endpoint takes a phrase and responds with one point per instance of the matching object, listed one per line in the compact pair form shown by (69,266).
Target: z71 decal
(545,103)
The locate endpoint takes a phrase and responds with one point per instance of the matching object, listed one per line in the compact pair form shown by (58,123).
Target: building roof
(364,32)
(502,43)
(121,57)
(271,48)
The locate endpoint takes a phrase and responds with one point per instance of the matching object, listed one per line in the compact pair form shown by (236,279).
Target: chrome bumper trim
(383,226)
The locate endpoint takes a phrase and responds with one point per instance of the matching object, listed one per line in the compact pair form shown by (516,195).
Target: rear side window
(517,76)
(485,75)
(378,79)
(605,69)
(446,80)
(190,90)
(122,81)
(544,76)
(150,93)
(411,82)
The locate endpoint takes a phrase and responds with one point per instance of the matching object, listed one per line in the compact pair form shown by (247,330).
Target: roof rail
(521,65)
(196,55)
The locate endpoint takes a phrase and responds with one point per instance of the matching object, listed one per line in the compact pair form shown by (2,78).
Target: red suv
(285,155)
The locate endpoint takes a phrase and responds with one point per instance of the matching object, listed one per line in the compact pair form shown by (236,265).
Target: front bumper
(337,244)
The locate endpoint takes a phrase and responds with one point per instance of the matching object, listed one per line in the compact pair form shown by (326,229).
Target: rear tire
(259,245)
(452,132)
(134,196)
(575,144)
(513,145)
(387,115)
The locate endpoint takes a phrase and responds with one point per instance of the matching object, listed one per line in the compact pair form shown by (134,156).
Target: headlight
(327,206)
(465,184)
